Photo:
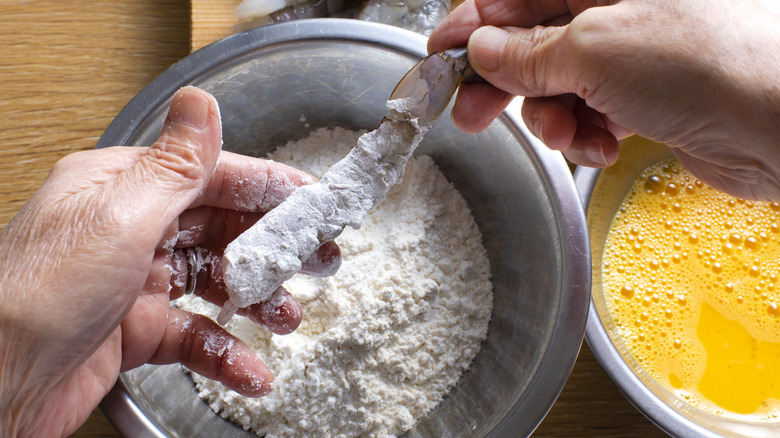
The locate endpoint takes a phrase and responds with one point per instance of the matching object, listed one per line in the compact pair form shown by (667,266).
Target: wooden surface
(67,68)
(211,20)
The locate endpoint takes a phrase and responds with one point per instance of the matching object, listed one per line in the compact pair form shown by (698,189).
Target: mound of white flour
(383,340)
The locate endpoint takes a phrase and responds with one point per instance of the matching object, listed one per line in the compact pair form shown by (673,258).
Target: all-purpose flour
(383,340)
(272,250)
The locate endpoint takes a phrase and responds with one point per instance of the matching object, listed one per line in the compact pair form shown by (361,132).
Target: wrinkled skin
(92,260)
(702,76)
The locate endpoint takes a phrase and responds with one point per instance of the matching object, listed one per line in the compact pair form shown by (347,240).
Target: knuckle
(188,339)
(584,40)
(591,46)
(71,161)
(177,157)
(531,69)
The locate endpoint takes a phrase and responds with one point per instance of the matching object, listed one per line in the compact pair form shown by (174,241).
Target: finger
(281,314)
(158,281)
(519,61)
(194,223)
(455,29)
(213,226)
(594,137)
(142,329)
(566,123)
(204,347)
(163,264)
(217,228)
(250,184)
(171,173)
(477,105)
(551,119)
(324,262)
(592,146)
(199,271)
(179,274)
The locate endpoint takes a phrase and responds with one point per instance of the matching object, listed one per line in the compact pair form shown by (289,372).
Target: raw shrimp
(257,263)
(421,16)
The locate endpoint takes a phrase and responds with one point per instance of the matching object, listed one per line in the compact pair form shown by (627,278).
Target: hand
(91,261)
(702,77)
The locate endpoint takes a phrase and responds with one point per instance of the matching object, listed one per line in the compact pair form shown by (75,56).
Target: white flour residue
(217,345)
(269,253)
(384,339)
(253,194)
(189,236)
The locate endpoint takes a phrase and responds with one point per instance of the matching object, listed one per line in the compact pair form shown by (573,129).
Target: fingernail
(536,128)
(257,385)
(485,47)
(595,153)
(190,107)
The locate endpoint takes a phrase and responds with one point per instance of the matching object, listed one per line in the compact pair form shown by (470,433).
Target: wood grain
(212,20)
(68,67)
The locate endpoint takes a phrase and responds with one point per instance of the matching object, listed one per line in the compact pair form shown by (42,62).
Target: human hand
(702,77)
(91,261)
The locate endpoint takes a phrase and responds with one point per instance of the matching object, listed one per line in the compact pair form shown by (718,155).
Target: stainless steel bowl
(602,192)
(341,72)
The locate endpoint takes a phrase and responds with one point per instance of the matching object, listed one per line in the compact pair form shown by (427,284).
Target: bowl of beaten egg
(684,312)
(286,82)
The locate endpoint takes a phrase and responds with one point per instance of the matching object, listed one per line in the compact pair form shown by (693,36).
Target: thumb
(519,61)
(173,171)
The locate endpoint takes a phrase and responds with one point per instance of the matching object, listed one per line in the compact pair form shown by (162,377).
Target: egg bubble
(653,185)
(674,246)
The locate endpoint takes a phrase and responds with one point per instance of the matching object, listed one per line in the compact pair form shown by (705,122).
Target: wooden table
(67,68)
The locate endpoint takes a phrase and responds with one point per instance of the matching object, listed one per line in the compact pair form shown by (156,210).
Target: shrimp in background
(420,16)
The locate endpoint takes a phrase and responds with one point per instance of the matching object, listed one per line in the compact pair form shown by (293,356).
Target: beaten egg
(690,277)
